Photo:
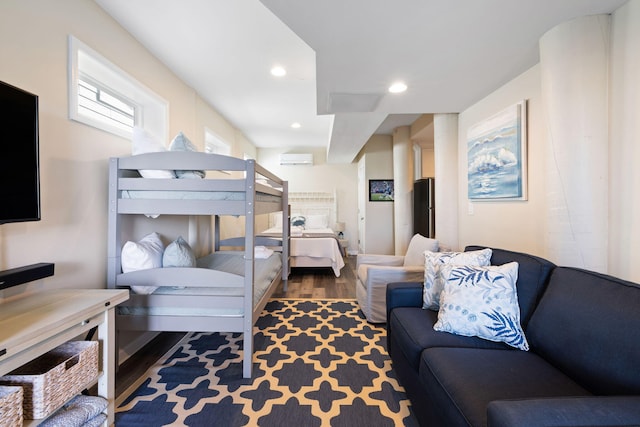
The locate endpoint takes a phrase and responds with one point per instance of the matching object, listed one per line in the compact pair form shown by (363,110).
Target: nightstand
(344,245)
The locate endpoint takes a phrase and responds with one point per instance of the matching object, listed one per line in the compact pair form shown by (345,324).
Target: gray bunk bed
(222,293)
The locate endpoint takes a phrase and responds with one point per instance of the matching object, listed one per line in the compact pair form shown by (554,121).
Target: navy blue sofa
(582,369)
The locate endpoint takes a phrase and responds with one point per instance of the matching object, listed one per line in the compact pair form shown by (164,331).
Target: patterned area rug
(317,363)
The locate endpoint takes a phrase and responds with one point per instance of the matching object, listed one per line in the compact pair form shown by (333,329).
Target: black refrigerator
(424,208)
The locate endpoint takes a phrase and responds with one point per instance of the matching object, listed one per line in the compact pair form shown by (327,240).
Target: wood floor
(304,283)
(320,283)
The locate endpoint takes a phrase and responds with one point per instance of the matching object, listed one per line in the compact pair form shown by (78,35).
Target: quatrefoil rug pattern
(316,363)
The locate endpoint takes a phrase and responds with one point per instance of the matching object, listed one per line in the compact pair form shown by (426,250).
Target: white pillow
(143,142)
(482,302)
(178,254)
(316,221)
(433,281)
(141,255)
(181,143)
(417,246)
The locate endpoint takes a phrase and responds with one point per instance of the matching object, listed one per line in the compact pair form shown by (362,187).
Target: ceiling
(340,57)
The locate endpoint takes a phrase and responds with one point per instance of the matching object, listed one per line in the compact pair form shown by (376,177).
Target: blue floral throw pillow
(483,302)
(433,283)
(298,221)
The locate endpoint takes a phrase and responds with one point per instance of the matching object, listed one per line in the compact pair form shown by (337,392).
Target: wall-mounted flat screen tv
(19,156)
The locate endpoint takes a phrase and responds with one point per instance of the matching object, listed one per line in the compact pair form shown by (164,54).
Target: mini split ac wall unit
(296,159)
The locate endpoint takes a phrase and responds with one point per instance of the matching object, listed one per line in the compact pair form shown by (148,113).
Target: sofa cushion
(588,325)
(533,276)
(413,332)
(462,381)
(433,283)
(481,301)
(565,411)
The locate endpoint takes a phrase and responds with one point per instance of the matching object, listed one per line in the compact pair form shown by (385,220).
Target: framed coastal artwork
(497,156)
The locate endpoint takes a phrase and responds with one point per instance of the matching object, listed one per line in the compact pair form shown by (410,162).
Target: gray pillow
(182,143)
(178,254)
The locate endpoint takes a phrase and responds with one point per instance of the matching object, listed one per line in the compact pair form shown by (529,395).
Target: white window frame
(215,144)
(151,111)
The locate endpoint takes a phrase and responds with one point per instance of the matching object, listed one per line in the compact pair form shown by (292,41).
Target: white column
(403,188)
(624,149)
(445,148)
(574,60)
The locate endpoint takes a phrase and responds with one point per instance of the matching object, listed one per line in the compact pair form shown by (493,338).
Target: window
(105,97)
(214,144)
(100,104)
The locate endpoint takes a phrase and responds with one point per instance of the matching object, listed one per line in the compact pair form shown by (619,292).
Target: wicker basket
(55,377)
(10,406)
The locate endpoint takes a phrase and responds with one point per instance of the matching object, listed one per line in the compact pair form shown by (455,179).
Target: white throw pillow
(433,282)
(314,222)
(142,143)
(181,143)
(178,254)
(482,302)
(146,253)
(141,255)
(417,247)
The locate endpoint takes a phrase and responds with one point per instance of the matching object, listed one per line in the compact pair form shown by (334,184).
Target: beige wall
(428,163)
(516,225)
(376,159)
(73,230)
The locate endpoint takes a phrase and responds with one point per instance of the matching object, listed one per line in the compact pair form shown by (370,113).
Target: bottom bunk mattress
(188,299)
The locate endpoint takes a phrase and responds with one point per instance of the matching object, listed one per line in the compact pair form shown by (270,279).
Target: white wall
(73,230)
(321,177)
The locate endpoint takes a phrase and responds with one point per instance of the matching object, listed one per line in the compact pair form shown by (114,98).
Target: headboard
(311,203)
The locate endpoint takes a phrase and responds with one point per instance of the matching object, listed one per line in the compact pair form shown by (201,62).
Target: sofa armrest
(565,411)
(372,259)
(403,294)
(380,275)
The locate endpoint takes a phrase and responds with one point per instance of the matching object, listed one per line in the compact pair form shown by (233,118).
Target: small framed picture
(381,190)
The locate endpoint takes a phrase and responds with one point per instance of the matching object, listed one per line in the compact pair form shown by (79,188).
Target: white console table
(36,323)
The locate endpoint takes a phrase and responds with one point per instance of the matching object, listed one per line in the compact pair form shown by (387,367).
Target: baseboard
(135,345)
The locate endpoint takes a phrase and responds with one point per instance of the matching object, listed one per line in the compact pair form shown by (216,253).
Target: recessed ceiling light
(295,125)
(397,87)
(278,71)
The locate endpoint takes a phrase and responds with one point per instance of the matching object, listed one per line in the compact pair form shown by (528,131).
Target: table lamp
(340,229)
